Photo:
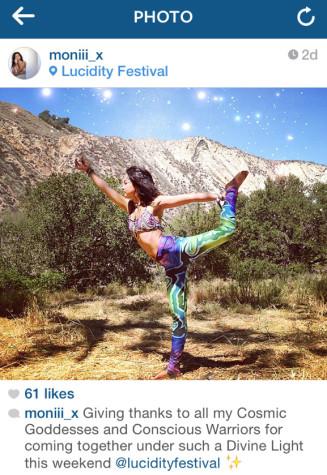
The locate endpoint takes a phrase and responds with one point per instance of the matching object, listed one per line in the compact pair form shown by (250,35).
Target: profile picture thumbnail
(24,63)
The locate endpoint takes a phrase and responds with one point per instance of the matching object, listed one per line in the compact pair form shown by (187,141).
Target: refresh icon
(303,13)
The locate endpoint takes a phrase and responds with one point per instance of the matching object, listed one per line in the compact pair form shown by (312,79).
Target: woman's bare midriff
(149,242)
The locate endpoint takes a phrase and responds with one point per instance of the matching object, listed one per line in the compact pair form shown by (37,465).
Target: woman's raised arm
(84,165)
(164,202)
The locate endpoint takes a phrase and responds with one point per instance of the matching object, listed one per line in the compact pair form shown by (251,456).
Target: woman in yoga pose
(145,206)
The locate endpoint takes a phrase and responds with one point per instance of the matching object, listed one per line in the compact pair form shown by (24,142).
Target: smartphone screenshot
(163,237)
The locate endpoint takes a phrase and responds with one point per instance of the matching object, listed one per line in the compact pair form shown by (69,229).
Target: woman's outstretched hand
(82,164)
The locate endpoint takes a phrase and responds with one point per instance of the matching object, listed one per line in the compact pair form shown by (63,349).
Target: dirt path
(130,339)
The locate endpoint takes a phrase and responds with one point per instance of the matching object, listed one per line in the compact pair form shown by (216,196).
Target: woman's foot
(237,181)
(165,375)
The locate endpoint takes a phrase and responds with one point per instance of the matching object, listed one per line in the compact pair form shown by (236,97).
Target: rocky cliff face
(31,150)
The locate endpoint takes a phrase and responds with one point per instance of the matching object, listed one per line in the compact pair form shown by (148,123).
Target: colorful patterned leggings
(175,254)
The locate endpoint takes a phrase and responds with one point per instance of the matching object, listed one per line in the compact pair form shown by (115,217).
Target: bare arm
(164,202)
(21,67)
(103,186)
(112,194)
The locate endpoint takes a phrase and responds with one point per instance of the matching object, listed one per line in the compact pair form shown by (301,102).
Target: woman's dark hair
(143,182)
(13,58)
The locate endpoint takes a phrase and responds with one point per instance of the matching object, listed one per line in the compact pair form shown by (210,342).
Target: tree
(282,228)
(55,121)
(279,224)
(318,198)
(68,226)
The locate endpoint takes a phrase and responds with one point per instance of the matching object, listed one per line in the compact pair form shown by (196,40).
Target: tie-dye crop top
(146,222)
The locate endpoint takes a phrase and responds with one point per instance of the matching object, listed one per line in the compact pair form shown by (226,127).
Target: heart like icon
(13,393)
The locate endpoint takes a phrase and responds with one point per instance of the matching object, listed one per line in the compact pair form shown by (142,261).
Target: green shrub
(15,293)
(259,294)
(304,288)
(50,280)
(285,223)
(319,288)
(249,270)
(68,233)
(295,269)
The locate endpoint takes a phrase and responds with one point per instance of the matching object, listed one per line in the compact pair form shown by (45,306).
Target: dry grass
(38,335)
(124,334)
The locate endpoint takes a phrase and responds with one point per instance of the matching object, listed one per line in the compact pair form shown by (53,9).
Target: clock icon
(293,54)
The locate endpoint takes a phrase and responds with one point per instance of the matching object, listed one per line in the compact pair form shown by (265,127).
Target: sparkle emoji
(233,463)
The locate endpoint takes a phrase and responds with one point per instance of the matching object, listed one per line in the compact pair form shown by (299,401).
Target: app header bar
(163,19)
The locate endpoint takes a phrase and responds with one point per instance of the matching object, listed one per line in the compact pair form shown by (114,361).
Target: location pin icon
(53,70)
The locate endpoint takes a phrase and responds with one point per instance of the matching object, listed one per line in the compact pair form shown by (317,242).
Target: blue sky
(278,124)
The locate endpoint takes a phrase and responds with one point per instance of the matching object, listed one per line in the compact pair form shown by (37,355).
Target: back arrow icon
(18,15)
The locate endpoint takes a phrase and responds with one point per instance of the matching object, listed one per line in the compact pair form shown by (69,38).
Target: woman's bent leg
(195,246)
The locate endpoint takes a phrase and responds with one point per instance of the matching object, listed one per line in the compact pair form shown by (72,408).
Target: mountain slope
(31,150)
